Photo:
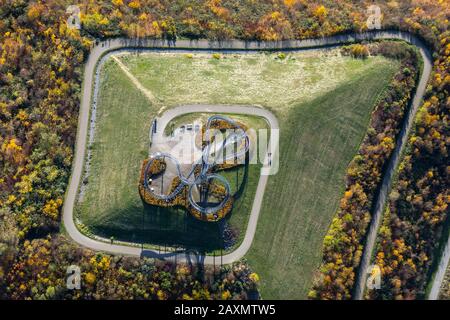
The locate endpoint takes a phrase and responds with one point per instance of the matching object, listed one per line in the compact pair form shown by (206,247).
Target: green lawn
(323,103)
(111,201)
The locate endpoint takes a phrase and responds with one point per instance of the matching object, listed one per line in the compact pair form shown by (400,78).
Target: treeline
(41,273)
(40,77)
(343,244)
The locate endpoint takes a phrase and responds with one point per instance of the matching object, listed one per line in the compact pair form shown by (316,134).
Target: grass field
(323,103)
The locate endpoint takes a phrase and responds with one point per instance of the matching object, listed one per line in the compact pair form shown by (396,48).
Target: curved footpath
(236,45)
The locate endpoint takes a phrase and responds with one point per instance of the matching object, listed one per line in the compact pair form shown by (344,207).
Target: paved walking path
(233,45)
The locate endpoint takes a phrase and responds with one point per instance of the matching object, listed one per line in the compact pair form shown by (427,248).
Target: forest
(41,66)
